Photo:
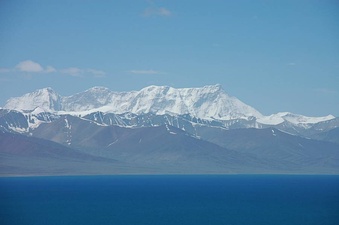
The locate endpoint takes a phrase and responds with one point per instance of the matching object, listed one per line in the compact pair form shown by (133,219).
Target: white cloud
(50,69)
(156,11)
(151,72)
(73,71)
(29,66)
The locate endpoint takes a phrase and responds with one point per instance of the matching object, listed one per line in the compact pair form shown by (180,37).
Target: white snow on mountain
(209,102)
(46,99)
(38,110)
(281,117)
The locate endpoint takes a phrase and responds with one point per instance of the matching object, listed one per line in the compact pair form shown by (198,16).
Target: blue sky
(273,55)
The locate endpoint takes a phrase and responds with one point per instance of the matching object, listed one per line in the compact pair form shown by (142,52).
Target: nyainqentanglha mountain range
(159,129)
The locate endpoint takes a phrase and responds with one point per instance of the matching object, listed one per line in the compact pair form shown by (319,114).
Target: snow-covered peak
(296,119)
(213,88)
(45,98)
(92,98)
(98,89)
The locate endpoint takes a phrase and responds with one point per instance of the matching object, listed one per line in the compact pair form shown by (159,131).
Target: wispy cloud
(77,72)
(291,64)
(30,67)
(145,72)
(156,11)
(50,69)
(72,71)
(96,73)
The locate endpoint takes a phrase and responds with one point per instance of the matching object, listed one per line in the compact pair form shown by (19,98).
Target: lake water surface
(170,199)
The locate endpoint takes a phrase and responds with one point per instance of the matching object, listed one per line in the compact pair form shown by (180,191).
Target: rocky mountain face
(166,130)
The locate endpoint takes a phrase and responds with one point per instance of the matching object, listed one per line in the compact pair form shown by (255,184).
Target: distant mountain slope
(260,150)
(164,147)
(21,145)
(22,155)
(272,144)
(330,135)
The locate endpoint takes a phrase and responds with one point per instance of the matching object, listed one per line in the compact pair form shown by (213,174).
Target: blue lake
(171,199)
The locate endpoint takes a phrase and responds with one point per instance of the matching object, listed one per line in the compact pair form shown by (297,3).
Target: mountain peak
(215,87)
(49,89)
(46,99)
(44,91)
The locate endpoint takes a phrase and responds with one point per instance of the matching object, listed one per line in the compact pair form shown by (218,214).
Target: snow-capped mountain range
(188,109)
(159,129)
(207,103)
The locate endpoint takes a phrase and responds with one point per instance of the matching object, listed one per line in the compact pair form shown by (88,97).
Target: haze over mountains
(160,129)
